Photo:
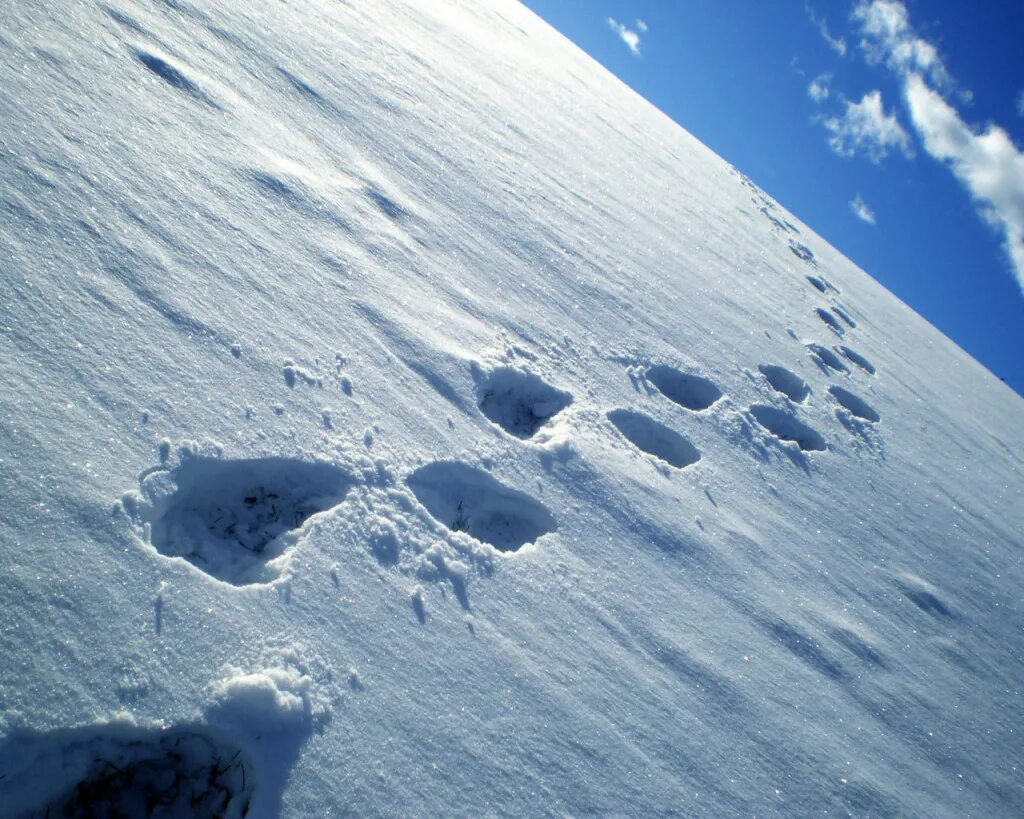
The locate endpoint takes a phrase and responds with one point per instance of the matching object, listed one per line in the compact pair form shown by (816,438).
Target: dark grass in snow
(125,772)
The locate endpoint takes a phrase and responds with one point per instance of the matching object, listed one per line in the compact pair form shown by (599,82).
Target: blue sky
(910,114)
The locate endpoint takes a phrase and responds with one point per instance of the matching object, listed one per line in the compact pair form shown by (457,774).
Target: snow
(455,309)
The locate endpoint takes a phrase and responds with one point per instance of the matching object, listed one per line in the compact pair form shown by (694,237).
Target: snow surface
(400,416)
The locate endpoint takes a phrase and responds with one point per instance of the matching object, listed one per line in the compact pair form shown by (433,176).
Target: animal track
(230,518)
(827,359)
(129,773)
(786,381)
(802,252)
(854,404)
(830,320)
(691,391)
(654,438)
(466,499)
(788,427)
(518,401)
(845,316)
(857,359)
(818,282)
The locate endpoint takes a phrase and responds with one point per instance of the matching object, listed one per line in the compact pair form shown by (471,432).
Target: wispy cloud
(865,128)
(837,44)
(641,26)
(985,160)
(987,163)
(630,37)
(888,35)
(819,90)
(861,210)
(1020,104)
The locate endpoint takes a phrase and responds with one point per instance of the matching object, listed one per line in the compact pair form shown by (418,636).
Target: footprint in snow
(126,771)
(841,311)
(854,404)
(819,283)
(654,438)
(826,359)
(857,359)
(466,499)
(786,382)
(803,252)
(232,518)
(787,427)
(518,401)
(831,321)
(694,392)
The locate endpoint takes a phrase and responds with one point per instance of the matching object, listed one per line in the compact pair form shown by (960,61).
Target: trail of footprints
(237,519)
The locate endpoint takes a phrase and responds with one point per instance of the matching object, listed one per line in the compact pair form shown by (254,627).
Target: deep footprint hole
(228,517)
(788,427)
(786,382)
(654,438)
(691,391)
(518,401)
(174,774)
(854,404)
(827,359)
(830,320)
(466,499)
(858,359)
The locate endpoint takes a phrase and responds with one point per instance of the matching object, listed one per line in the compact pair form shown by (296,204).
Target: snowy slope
(401,416)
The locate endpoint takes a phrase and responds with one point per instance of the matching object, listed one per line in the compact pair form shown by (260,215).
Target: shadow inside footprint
(857,359)
(830,321)
(785,381)
(654,438)
(788,427)
(854,404)
(691,391)
(466,499)
(826,359)
(518,401)
(120,770)
(229,518)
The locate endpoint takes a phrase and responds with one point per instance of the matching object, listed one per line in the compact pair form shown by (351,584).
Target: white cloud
(861,210)
(627,35)
(1020,104)
(837,44)
(641,26)
(889,36)
(818,90)
(986,161)
(865,128)
(988,164)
